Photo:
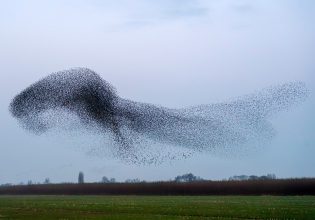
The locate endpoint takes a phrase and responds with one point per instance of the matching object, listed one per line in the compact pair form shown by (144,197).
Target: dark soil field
(250,187)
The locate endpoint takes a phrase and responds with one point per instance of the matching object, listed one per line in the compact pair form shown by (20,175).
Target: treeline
(253,177)
(188,177)
(232,187)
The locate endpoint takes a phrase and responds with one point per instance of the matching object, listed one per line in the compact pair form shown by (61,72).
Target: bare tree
(47,181)
(105,179)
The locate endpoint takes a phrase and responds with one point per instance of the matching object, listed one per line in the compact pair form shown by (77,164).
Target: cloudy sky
(175,53)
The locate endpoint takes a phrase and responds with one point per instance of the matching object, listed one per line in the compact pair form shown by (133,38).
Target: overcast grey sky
(174,53)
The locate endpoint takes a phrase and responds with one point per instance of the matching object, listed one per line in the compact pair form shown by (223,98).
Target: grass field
(157,207)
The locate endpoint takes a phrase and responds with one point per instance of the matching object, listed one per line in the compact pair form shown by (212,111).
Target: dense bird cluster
(134,126)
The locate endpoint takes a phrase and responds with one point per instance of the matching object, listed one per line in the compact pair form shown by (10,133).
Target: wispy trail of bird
(94,101)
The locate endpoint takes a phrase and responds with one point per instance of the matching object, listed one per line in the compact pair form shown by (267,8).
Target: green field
(157,207)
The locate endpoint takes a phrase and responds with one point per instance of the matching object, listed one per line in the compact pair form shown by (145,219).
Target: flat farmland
(156,207)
